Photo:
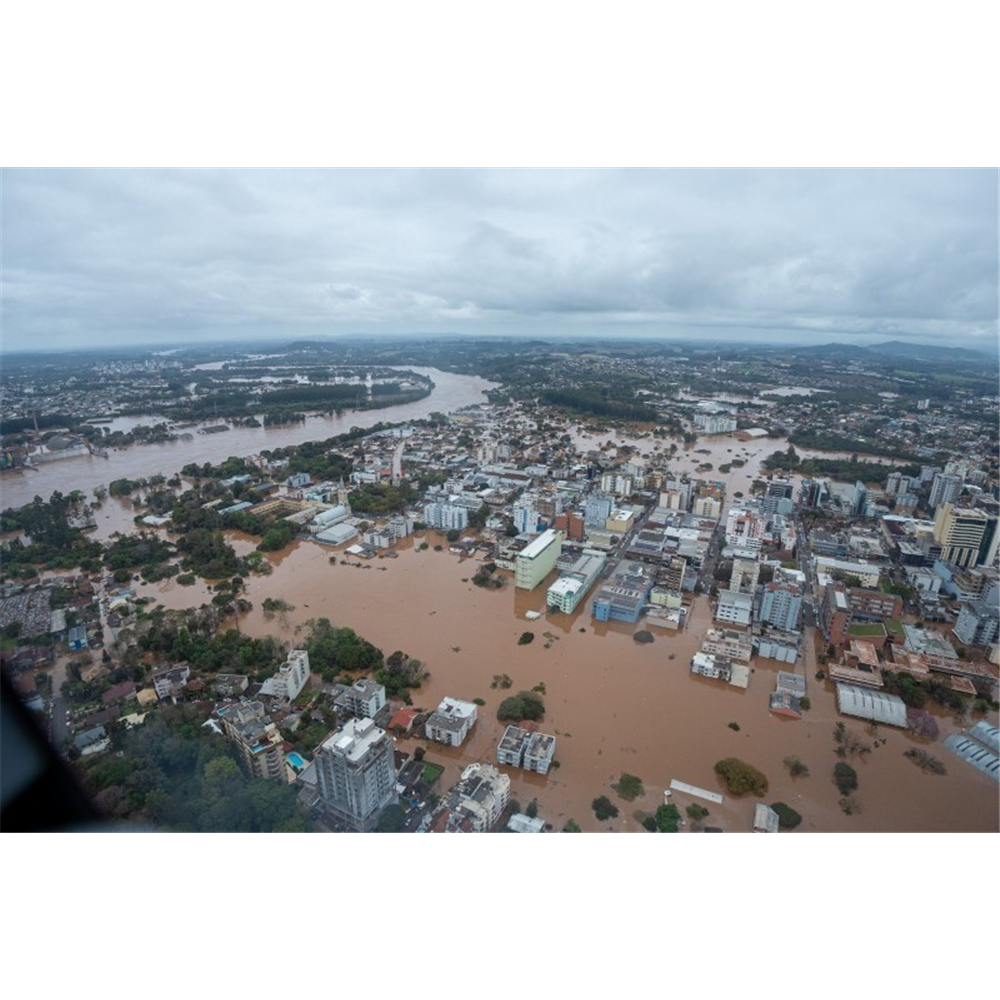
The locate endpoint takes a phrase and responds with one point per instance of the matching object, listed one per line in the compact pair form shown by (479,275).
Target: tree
(845,777)
(788,818)
(696,812)
(629,787)
(392,819)
(572,827)
(604,808)
(741,777)
(796,768)
(668,818)
(453,535)
(523,705)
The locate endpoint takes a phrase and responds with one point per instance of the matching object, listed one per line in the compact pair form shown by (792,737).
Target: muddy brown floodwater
(613,704)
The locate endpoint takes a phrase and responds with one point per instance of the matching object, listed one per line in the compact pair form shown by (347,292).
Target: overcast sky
(95,257)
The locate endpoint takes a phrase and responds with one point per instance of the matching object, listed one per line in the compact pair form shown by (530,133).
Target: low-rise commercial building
(570,589)
(623,598)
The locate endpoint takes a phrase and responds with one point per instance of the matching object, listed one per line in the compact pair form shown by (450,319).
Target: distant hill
(933,352)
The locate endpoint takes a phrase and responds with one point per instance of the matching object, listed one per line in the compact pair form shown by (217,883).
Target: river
(85,472)
(614,705)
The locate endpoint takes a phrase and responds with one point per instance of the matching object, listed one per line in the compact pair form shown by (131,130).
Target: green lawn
(432,772)
(873,629)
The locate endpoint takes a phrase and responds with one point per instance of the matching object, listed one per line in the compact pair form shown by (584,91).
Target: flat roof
(539,545)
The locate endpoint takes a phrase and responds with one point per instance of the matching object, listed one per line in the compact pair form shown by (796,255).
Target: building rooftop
(863,703)
(539,545)
(354,740)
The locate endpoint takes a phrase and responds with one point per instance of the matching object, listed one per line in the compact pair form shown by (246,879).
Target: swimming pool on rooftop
(296,761)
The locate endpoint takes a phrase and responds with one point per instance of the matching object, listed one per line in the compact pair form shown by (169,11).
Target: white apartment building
(709,665)
(525,517)
(531,751)
(363,698)
(291,677)
(446,516)
(728,643)
(734,608)
(478,799)
(617,484)
(707,507)
(357,774)
(745,528)
(536,560)
(714,423)
(451,723)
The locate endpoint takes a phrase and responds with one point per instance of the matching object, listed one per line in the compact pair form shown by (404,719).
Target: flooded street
(84,472)
(614,705)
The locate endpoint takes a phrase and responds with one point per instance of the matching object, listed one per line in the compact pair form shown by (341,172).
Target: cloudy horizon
(100,257)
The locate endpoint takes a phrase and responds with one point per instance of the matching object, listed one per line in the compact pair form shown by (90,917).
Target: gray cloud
(101,256)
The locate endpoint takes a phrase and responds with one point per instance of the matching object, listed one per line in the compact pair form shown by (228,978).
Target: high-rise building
(617,484)
(291,677)
(960,532)
(525,517)
(258,742)
(781,606)
(894,483)
(978,623)
(859,502)
(597,510)
(357,774)
(744,529)
(446,516)
(535,561)
(572,524)
(944,489)
(745,574)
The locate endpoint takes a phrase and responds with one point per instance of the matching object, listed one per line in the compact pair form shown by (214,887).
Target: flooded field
(614,705)
(84,472)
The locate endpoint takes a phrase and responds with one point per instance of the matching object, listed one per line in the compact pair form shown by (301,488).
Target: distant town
(474,585)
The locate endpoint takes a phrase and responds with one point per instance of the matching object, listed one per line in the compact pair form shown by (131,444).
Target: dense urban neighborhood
(547,587)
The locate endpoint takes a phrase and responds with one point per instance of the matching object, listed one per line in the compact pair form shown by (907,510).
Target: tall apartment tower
(258,742)
(597,510)
(944,489)
(746,573)
(357,774)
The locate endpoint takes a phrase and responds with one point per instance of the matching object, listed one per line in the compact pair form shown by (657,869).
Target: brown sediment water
(85,472)
(614,705)
(721,450)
